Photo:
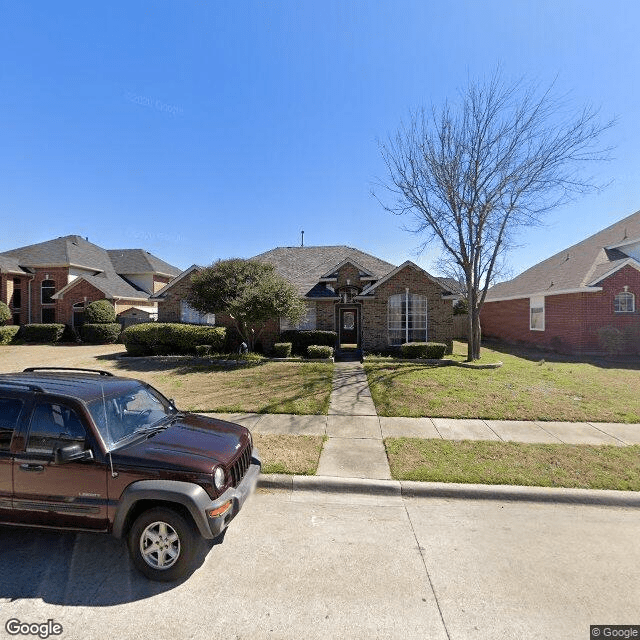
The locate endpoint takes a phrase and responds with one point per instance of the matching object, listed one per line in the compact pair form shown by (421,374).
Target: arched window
(624,302)
(407,318)
(47,289)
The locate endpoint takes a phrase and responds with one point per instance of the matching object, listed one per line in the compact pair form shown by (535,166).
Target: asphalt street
(318,564)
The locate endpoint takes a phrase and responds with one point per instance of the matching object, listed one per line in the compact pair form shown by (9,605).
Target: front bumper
(236,496)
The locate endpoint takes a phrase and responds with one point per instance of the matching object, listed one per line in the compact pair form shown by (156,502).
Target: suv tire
(162,544)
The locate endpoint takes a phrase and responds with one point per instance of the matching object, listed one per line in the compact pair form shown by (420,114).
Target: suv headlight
(218,478)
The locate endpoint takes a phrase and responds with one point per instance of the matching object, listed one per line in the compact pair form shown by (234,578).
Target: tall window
(191,316)
(624,302)
(47,288)
(407,318)
(536,313)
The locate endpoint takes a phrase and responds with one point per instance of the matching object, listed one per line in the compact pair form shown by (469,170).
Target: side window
(51,425)
(10,410)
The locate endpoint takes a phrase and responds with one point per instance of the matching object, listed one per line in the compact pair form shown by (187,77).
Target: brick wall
(169,306)
(375,334)
(571,320)
(325,315)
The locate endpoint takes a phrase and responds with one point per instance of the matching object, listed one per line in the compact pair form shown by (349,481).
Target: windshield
(119,417)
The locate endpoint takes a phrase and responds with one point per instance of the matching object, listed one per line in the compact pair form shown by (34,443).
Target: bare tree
(472,174)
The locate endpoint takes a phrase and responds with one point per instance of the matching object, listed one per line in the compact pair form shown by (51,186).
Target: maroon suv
(86,450)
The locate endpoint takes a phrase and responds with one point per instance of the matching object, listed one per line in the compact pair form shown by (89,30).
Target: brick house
(53,281)
(370,303)
(564,302)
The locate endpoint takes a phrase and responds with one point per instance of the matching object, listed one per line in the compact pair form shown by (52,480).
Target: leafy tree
(5,313)
(251,293)
(474,173)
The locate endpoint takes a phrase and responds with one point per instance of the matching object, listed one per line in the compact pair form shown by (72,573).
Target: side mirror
(71,452)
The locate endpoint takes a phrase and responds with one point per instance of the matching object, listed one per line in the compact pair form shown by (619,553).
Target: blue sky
(203,130)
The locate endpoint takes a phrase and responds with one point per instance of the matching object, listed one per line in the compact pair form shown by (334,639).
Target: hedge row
(429,350)
(45,333)
(8,333)
(164,338)
(282,349)
(301,340)
(101,333)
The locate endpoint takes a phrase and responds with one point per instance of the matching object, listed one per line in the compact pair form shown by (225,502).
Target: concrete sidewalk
(336,426)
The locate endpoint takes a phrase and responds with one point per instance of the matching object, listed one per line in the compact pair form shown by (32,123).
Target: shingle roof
(127,261)
(10,265)
(304,266)
(576,267)
(78,251)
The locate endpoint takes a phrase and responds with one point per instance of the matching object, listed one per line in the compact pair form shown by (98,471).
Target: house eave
(627,263)
(545,294)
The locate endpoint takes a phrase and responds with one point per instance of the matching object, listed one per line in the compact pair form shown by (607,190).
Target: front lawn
(522,389)
(289,454)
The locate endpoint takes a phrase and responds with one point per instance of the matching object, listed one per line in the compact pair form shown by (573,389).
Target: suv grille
(241,465)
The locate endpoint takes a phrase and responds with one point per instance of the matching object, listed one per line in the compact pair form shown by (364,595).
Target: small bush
(5,313)
(301,340)
(164,338)
(428,350)
(611,340)
(8,333)
(42,333)
(100,312)
(203,350)
(319,351)
(101,333)
(282,349)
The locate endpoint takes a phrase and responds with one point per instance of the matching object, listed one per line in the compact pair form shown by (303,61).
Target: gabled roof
(109,268)
(305,266)
(368,291)
(579,268)
(111,284)
(160,293)
(130,261)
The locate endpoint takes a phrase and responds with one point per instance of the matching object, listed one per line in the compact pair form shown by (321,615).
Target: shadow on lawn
(180,365)
(536,355)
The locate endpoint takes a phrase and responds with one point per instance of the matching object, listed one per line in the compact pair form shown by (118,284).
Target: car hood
(191,443)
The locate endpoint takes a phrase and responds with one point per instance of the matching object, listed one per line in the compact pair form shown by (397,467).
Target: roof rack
(22,385)
(98,371)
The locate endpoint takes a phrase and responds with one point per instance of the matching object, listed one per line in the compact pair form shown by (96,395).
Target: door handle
(32,467)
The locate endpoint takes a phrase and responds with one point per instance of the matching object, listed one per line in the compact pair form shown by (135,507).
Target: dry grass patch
(543,465)
(289,454)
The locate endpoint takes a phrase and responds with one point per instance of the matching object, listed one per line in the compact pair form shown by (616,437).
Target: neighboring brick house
(370,303)
(53,281)
(564,302)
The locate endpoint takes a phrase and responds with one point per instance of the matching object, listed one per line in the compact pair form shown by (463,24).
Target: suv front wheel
(161,544)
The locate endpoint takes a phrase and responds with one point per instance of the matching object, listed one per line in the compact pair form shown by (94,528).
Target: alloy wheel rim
(160,545)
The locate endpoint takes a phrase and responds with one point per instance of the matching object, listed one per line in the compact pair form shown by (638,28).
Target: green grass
(522,389)
(544,465)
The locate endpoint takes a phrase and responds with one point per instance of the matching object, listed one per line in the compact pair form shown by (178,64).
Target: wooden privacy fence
(460,327)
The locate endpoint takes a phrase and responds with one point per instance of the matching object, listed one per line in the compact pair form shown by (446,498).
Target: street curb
(410,489)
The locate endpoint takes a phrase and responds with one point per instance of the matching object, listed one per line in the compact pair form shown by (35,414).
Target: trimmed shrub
(102,333)
(301,340)
(8,333)
(319,351)
(165,338)
(428,350)
(69,335)
(611,340)
(282,349)
(43,333)
(100,312)
(5,313)
(203,350)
